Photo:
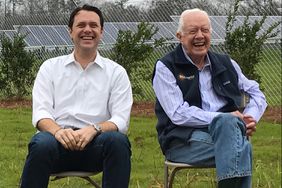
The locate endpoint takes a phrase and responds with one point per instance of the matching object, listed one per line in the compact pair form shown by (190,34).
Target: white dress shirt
(72,96)
(183,114)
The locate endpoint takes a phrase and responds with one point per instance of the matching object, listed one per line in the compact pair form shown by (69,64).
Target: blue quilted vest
(224,80)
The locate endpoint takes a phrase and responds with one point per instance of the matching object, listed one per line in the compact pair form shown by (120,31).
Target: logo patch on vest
(183,77)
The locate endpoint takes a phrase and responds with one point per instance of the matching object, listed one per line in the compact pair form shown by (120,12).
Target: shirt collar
(98,60)
(69,59)
(207,59)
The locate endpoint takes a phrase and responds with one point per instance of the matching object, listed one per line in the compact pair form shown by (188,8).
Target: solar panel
(54,35)
(126,26)
(107,38)
(64,33)
(41,35)
(171,26)
(30,39)
(218,27)
(157,36)
(170,29)
(132,26)
(10,34)
(110,33)
(162,30)
(111,30)
(270,20)
(175,18)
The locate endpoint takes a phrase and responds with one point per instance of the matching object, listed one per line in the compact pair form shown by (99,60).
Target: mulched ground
(272,114)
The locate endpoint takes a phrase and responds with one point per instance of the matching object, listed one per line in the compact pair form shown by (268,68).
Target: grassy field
(270,70)
(147,159)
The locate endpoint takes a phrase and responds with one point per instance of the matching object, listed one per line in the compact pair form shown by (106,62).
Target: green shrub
(16,68)
(132,48)
(244,44)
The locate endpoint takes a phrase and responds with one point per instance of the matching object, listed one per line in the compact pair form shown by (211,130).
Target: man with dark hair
(202,117)
(81,108)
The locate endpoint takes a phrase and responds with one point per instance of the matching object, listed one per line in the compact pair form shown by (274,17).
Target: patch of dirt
(143,109)
(272,114)
(10,104)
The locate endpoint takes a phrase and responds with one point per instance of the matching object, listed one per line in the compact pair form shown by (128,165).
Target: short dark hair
(88,8)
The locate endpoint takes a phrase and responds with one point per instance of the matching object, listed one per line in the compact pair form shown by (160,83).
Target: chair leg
(166,176)
(91,181)
(172,175)
(169,178)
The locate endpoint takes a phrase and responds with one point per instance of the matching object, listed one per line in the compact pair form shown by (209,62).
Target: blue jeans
(223,144)
(109,152)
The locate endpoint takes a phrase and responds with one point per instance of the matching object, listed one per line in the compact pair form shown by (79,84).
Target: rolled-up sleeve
(120,101)
(257,103)
(42,96)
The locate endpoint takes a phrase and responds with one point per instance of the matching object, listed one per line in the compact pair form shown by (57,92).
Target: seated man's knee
(117,141)
(226,121)
(225,117)
(42,143)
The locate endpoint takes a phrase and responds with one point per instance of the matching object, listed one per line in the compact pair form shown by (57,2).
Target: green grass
(270,69)
(147,159)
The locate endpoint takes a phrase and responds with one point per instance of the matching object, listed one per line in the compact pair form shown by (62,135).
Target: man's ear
(70,31)
(178,35)
(102,30)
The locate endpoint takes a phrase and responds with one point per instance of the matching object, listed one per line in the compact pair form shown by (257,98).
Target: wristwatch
(97,128)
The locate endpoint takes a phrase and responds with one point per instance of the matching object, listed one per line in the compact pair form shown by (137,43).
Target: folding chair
(80,174)
(174,167)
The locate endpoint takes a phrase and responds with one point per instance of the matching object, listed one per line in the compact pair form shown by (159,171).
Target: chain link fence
(44,22)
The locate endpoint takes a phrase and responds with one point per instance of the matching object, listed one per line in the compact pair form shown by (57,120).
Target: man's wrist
(56,131)
(98,128)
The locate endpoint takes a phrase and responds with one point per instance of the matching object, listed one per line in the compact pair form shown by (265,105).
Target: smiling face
(86,31)
(195,34)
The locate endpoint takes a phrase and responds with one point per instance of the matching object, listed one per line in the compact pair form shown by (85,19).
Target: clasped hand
(75,139)
(250,122)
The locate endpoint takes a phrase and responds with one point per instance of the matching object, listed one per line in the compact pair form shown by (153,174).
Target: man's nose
(199,33)
(87,28)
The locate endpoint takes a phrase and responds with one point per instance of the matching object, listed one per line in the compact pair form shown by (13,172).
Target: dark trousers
(109,152)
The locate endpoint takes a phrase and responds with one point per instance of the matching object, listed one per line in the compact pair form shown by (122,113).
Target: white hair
(186,12)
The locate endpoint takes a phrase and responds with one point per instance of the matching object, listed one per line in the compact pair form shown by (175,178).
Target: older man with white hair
(202,117)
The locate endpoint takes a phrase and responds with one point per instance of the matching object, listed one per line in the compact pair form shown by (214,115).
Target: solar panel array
(58,35)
